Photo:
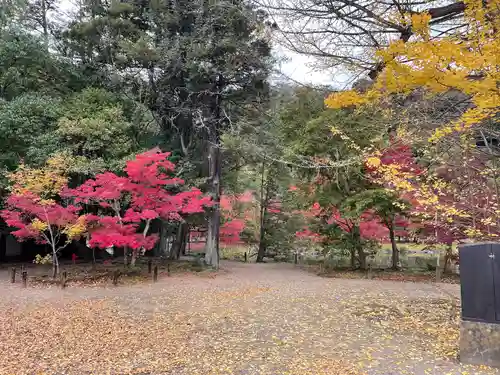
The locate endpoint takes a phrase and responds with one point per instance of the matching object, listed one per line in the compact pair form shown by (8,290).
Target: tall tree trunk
(359,247)
(180,241)
(263,210)
(125,260)
(353,257)
(185,243)
(215,176)
(362,258)
(262,246)
(212,245)
(164,236)
(394,245)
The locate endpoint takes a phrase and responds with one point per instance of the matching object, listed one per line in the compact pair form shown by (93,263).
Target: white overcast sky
(298,68)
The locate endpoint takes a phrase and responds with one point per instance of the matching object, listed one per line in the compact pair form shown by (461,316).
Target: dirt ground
(248,319)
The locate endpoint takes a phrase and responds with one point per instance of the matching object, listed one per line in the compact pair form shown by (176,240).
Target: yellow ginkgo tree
(459,182)
(467,61)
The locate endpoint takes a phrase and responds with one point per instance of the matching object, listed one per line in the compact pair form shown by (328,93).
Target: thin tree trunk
(140,251)
(447,259)
(438,258)
(53,243)
(394,245)
(133,258)
(55,263)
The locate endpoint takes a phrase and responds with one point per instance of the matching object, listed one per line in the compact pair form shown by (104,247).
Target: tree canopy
(410,150)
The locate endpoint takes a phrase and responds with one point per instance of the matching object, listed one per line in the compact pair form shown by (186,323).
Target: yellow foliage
(373,162)
(420,24)
(39,225)
(466,61)
(348,141)
(468,65)
(46,202)
(344,99)
(76,230)
(47,259)
(473,232)
(45,182)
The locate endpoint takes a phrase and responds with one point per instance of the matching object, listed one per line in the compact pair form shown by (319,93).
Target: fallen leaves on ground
(388,275)
(90,336)
(250,320)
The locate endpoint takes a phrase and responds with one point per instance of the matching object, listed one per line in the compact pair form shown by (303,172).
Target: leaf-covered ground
(250,319)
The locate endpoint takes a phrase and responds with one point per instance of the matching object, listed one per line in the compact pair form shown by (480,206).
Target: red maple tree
(129,203)
(44,221)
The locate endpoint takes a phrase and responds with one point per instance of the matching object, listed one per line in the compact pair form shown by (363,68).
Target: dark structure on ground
(480,287)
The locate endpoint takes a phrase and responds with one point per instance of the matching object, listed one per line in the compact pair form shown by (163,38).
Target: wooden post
(370,274)
(13,275)
(116,275)
(246,257)
(155,274)
(25,278)
(150,265)
(64,278)
(438,275)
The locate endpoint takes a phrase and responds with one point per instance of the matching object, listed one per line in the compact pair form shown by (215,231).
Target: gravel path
(249,319)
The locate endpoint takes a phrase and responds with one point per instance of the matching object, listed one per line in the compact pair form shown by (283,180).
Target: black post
(64,278)
(3,247)
(296,258)
(168,269)
(246,257)
(25,278)
(155,274)
(116,275)
(150,264)
(13,275)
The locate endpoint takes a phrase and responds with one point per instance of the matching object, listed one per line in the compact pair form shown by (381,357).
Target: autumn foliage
(121,208)
(34,210)
(449,207)
(452,197)
(469,65)
(128,203)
